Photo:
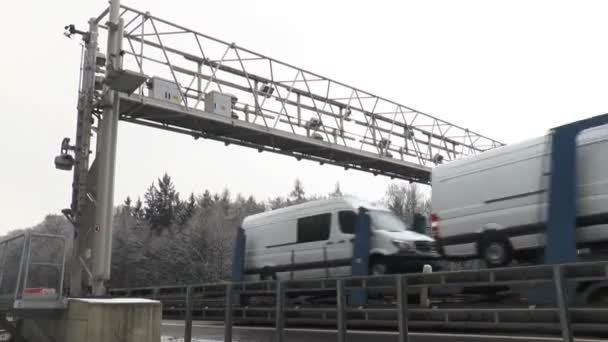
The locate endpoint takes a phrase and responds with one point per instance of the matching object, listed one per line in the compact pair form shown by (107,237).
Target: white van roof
(509,152)
(473,162)
(346,201)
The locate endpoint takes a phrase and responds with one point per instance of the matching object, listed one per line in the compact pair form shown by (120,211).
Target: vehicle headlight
(403,245)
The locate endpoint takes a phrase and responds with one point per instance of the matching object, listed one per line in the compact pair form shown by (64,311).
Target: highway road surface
(213,331)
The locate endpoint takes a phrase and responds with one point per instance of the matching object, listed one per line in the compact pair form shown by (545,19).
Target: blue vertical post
(238,261)
(360,262)
(561,219)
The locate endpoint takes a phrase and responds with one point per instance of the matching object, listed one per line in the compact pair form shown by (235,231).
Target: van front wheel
(496,252)
(378,267)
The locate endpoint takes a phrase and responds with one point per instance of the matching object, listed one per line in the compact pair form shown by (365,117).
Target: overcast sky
(508,69)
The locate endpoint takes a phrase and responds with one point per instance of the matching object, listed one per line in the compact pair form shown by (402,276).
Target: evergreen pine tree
(162,204)
(127,205)
(225,200)
(337,191)
(138,211)
(297,194)
(206,201)
(188,209)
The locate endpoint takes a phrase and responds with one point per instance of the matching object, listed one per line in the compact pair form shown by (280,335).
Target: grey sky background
(508,69)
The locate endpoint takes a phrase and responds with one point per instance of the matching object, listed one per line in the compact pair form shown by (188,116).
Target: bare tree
(405,199)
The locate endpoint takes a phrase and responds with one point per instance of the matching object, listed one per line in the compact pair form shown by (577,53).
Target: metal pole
(228,314)
(19,273)
(188,325)
(341,122)
(61,281)
(199,80)
(280,312)
(81,205)
(401,287)
(299,112)
(341,310)
(562,304)
(101,247)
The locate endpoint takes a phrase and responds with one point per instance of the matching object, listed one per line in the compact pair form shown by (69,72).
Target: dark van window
(347,221)
(314,228)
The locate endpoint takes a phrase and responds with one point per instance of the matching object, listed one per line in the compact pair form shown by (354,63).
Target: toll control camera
(64,161)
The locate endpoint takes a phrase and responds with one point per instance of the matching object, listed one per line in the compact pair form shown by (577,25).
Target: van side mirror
(419,223)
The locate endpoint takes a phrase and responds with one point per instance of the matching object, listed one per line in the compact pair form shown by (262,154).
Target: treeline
(163,239)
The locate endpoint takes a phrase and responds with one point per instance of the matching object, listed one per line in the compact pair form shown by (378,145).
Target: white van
(315,240)
(494,205)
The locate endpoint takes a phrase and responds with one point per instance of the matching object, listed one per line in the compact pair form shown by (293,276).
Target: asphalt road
(215,332)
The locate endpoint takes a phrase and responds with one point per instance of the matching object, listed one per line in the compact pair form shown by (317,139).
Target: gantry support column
(106,161)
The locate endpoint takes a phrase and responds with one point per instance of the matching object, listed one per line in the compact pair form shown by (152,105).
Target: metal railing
(534,298)
(32,269)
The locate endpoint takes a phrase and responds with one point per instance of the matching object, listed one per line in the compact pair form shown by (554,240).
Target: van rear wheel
(267,274)
(496,252)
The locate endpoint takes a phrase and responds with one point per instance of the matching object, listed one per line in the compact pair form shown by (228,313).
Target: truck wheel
(496,251)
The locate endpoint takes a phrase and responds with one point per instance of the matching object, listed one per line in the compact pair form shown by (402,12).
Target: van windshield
(385,220)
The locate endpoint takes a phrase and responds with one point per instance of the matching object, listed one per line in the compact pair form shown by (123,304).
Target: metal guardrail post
(401,287)
(341,310)
(188,318)
(562,304)
(228,314)
(280,312)
(424,291)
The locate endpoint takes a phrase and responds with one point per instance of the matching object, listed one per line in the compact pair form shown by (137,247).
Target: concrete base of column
(99,320)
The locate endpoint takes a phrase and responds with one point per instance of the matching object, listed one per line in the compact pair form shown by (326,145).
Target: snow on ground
(181,339)
(116,300)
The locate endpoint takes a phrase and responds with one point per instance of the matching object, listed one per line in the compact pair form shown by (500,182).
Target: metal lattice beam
(280,107)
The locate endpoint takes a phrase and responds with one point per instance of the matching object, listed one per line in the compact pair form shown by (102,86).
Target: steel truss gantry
(280,107)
